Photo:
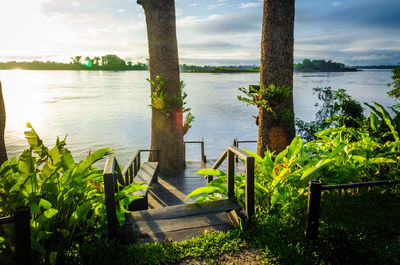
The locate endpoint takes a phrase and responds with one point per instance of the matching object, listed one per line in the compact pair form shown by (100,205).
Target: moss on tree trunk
(277,131)
(167,131)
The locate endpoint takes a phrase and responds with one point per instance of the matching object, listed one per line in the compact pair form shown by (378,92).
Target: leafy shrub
(66,198)
(338,155)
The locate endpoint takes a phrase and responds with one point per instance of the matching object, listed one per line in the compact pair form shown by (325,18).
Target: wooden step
(182,221)
(185,210)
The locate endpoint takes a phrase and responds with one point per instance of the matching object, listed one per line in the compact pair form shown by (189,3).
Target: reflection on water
(98,109)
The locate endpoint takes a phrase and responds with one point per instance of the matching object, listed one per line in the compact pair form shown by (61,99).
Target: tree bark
(3,152)
(277,69)
(167,130)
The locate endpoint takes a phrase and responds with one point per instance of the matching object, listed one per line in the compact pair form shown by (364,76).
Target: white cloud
(121,10)
(74,3)
(252,4)
(214,6)
(335,4)
(194,4)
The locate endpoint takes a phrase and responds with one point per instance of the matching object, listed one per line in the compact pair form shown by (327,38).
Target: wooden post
(231,175)
(203,157)
(313,209)
(109,190)
(236,144)
(22,217)
(250,188)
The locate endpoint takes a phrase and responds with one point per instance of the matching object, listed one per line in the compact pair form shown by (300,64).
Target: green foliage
(395,91)
(337,109)
(66,198)
(167,105)
(266,98)
(338,155)
(308,65)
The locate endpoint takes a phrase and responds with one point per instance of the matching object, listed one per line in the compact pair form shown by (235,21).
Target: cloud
(74,3)
(215,6)
(194,4)
(335,4)
(251,4)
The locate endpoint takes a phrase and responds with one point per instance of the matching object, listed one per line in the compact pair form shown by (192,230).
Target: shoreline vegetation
(115,63)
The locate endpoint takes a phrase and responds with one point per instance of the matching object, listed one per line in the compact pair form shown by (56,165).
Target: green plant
(395,91)
(167,105)
(266,98)
(338,155)
(66,198)
(337,109)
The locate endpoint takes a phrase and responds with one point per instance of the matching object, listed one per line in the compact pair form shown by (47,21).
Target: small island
(308,65)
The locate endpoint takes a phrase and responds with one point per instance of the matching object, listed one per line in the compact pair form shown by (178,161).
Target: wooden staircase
(177,222)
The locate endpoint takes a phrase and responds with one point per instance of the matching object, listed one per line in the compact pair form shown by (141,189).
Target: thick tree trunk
(277,69)
(3,152)
(167,130)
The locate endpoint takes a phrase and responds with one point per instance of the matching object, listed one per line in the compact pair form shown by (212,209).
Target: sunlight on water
(98,109)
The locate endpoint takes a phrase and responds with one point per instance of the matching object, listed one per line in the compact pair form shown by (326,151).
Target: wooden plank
(162,226)
(181,234)
(184,210)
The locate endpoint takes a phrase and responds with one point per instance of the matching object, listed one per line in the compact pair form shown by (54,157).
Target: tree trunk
(277,131)
(3,152)
(167,130)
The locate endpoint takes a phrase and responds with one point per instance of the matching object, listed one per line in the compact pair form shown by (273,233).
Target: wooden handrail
(201,142)
(133,166)
(110,187)
(236,144)
(230,153)
(315,189)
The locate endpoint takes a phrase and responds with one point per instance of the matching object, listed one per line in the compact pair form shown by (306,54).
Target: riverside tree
(3,152)
(167,112)
(276,118)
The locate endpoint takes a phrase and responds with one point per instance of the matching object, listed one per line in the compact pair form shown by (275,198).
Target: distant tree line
(308,65)
(108,62)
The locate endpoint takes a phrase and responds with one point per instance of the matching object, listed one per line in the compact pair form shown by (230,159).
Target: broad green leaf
(257,158)
(373,121)
(295,148)
(319,165)
(26,162)
(208,197)
(211,172)
(34,208)
(382,160)
(203,190)
(131,188)
(45,204)
(90,160)
(67,159)
(129,199)
(54,154)
(80,213)
(50,213)
(388,120)
(52,257)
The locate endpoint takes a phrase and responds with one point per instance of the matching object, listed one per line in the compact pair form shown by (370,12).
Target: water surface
(98,109)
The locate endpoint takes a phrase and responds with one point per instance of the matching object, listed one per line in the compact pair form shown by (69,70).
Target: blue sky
(219,32)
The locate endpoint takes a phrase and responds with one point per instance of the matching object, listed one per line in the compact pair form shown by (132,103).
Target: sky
(218,32)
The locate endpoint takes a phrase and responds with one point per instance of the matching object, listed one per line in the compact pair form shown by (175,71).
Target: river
(111,109)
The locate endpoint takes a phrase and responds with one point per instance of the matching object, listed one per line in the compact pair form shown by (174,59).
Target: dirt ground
(242,257)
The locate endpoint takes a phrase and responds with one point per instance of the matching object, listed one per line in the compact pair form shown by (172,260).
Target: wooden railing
(201,142)
(113,174)
(230,154)
(314,200)
(21,220)
(236,143)
(133,166)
